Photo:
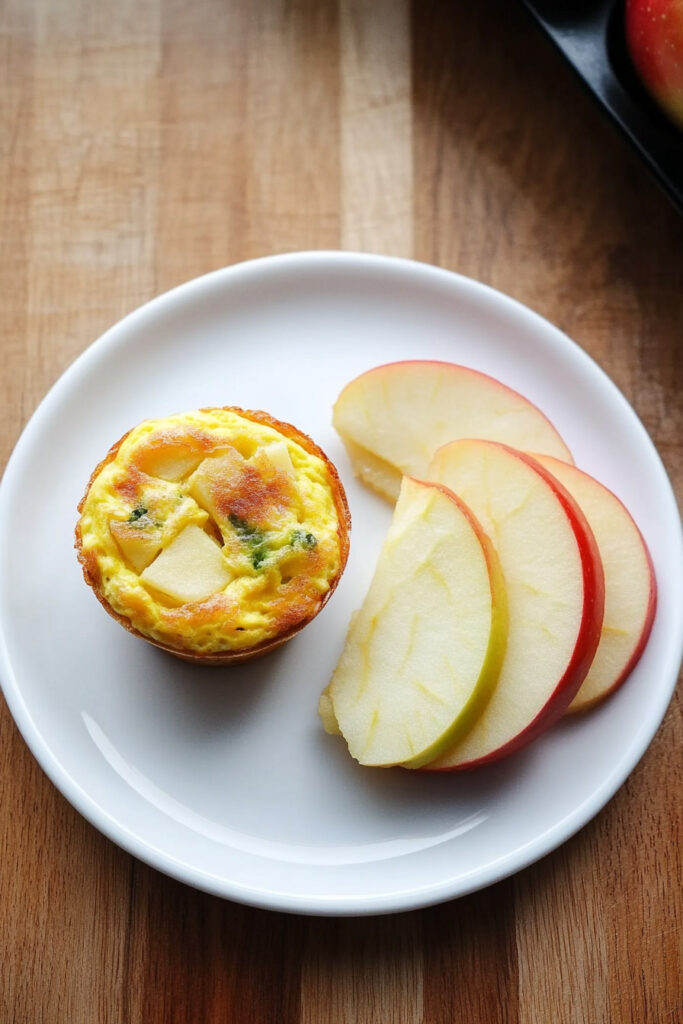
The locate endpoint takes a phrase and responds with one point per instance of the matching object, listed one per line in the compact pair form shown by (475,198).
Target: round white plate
(225,778)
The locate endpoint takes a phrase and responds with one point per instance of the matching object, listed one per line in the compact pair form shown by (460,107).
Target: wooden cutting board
(144,142)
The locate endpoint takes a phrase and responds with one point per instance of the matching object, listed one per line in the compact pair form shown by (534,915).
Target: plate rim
(295,902)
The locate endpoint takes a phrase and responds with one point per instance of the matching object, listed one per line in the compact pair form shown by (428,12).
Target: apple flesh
(630,587)
(213,477)
(277,453)
(654,39)
(172,463)
(139,545)
(555,590)
(394,417)
(190,569)
(423,653)
(327,715)
(169,455)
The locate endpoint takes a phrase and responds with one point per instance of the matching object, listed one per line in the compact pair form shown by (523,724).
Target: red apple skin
(635,657)
(587,639)
(462,369)
(644,636)
(654,38)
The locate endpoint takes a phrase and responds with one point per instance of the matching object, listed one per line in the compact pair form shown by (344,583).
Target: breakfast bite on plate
(574,575)
(216,534)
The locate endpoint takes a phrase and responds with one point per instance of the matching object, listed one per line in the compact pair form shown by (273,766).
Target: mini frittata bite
(216,534)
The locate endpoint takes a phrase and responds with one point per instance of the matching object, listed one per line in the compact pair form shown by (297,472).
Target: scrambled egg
(214,530)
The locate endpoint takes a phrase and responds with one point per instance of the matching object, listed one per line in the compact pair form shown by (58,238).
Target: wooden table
(145,142)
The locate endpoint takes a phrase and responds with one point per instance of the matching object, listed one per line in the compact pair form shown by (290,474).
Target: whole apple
(654,37)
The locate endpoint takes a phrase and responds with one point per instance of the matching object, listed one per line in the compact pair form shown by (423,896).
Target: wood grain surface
(144,142)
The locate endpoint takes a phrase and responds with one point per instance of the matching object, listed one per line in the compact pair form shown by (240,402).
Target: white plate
(224,778)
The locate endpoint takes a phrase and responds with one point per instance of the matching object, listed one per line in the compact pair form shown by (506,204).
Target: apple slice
(393,418)
(555,590)
(327,715)
(423,653)
(630,586)
(190,569)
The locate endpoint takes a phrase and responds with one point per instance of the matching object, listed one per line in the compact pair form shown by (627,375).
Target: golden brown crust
(91,572)
(308,444)
(109,457)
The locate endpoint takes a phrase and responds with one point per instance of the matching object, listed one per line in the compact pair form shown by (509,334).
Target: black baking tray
(591,37)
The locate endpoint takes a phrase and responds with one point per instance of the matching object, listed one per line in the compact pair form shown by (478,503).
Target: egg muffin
(216,534)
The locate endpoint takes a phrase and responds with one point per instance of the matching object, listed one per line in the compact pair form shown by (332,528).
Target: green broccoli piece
(252,537)
(302,539)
